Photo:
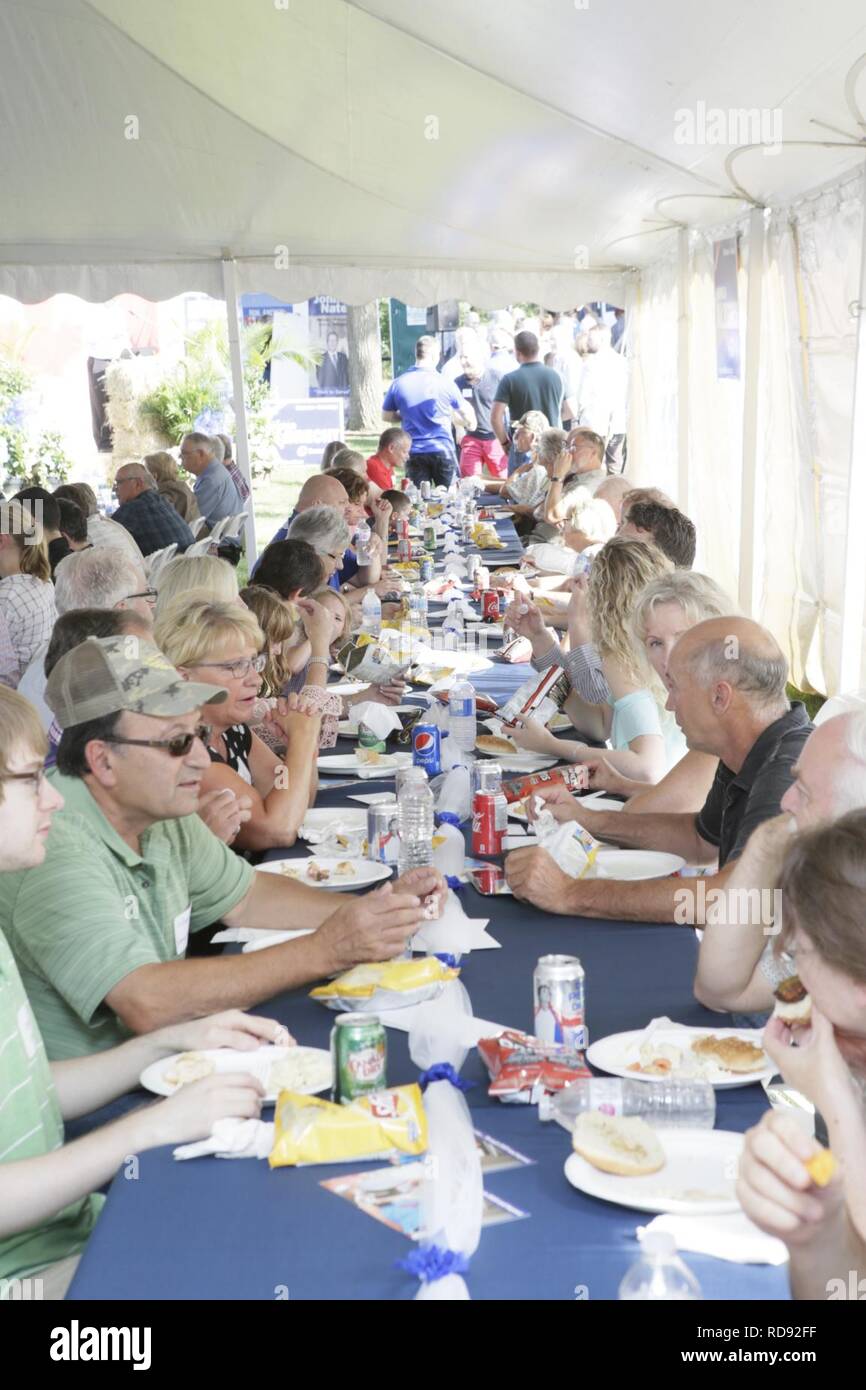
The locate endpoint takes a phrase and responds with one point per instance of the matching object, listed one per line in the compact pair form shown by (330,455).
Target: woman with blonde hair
(163,468)
(284,624)
(222,645)
(27,608)
(599,612)
(203,575)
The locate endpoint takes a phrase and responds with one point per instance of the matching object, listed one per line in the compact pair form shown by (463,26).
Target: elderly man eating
(99,930)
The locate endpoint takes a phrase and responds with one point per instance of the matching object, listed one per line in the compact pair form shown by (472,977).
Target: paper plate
(523,762)
(364,872)
(348,728)
(635,864)
(617,1051)
(348,762)
(698,1179)
(320,819)
(314,1069)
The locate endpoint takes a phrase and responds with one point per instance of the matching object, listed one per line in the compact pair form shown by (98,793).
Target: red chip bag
(522,1067)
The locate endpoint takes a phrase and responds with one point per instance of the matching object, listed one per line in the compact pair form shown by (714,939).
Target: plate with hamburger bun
(681,1171)
(724,1057)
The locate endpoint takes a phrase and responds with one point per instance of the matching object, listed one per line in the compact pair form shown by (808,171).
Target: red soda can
(490,612)
(489,821)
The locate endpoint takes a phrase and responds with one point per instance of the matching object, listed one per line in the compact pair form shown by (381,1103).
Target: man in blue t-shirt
(424,403)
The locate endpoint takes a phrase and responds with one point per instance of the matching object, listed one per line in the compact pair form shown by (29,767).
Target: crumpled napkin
(728,1237)
(232,1139)
(453,932)
(454,794)
(381,719)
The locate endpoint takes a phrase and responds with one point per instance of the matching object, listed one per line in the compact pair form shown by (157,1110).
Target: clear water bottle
(371,612)
(659,1274)
(663,1104)
(362,543)
(461,715)
(418,606)
(453,624)
(415,819)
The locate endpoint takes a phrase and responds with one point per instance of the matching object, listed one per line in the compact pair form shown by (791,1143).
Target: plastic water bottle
(371,612)
(362,543)
(461,715)
(453,623)
(415,819)
(663,1104)
(418,606)
(659,1273)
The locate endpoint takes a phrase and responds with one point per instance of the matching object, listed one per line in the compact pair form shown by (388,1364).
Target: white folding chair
(157,560)
(195,526)
(199,547)
(219,530)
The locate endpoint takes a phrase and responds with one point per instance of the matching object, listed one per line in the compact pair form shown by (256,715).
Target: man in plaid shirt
(151,521)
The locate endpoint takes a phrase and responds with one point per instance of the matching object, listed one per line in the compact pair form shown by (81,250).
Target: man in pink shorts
(480,447)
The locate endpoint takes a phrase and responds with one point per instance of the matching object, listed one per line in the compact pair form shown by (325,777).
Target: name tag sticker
(467,391)
(27,1031)
(181,930)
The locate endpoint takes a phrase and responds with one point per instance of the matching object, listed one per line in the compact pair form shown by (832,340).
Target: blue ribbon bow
(446,959)
(447,818)
(455,882)
(443,1071)
(432,1262)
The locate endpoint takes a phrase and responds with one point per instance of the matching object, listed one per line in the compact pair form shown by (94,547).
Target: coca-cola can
(490,611)
(489,822)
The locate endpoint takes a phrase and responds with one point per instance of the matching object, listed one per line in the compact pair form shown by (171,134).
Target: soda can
(485,776)
(490,610)
(427,748)
(383,843)
(489,822)
(426,571)
(359,1051)
(558,1001)
(430,538)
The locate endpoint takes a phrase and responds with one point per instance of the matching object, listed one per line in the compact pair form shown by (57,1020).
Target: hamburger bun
(731,1054)
(627,1147)
(793,1004)
(492,743)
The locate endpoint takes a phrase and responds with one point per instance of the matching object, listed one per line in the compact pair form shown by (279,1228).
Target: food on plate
(290,870)
(430,677)
(657,1059)
(368,756)
(822,1167)
(302,1068)
(614,1144)
(521,1067)
(345,869)
(492,743)
(189,1066)
(319,873)
(793,1004)
(731,1054)
(308,1130)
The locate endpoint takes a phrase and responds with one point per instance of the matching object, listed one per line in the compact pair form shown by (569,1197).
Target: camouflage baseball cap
(106,674)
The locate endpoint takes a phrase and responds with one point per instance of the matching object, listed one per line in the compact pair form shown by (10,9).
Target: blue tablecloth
(224,1229)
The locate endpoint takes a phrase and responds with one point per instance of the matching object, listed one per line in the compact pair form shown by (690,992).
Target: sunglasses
(177,747)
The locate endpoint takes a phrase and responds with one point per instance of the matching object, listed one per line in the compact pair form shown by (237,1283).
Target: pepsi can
(427,748)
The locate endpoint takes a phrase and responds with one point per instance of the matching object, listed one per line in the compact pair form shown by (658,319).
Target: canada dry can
(558,999)
(489,822)
(358,1055)
(430,537)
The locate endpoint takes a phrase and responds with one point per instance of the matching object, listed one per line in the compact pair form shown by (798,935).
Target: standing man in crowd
(479,447)
(531,387)
(425,406)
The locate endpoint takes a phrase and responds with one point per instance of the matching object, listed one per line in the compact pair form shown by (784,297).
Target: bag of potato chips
(379,1125)
(392,984)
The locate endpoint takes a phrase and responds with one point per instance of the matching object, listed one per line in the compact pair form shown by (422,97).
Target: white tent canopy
(547,150)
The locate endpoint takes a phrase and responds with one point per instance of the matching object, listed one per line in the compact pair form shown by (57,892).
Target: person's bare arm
(464,415)
(684,788)
(497,423)
(672,832)
(392,416)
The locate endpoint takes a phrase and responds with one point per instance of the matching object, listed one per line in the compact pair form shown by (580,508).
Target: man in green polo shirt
(99,930)
(47,1210)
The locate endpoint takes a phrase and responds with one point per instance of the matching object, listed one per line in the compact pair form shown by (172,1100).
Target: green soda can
(430,537)
(368,739)
(359,1050)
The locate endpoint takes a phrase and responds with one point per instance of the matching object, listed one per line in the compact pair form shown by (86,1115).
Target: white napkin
(371,798)
(381,719)
(454,793)
(453,932)
(553,559)
(233,1139)
(730,1237)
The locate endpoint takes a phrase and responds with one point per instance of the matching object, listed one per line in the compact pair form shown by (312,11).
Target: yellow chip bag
(309,1130)
(393,976)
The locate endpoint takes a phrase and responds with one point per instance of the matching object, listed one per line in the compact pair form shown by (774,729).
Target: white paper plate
(257,1063)
(521,762)
(597,801)
(492,629)
(614,1054)
(320,819)
(520,814)
(635,863)
(348,687)
(698,1179)
(367,871)
(348,762)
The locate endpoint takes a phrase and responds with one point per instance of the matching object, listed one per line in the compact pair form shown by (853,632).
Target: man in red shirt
(393,451)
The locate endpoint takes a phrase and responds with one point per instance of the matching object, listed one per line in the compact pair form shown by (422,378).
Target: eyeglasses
(175,747)
(236,669)
(36,779)
(150,594)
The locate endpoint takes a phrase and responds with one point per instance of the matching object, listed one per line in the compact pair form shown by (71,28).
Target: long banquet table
(235,1229)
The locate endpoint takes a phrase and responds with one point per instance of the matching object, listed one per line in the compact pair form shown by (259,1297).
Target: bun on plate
(492,743)
(793,1004)
(627,1147)
(732,1054)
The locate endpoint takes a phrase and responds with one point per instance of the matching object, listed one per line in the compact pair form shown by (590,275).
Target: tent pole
(239,404)
(854,592)
(683,372)
(749,475)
